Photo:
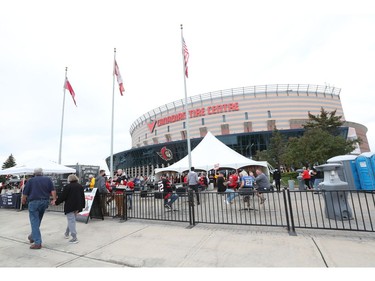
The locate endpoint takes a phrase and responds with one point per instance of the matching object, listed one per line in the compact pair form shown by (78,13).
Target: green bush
(290,175)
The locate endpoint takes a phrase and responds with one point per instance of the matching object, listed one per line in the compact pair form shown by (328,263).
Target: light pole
(250,146)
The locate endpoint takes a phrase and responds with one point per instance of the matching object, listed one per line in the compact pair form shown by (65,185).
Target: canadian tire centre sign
(194,113)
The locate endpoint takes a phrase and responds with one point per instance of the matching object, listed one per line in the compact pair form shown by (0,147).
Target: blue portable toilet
(348,172)
(365,172)
(370,155)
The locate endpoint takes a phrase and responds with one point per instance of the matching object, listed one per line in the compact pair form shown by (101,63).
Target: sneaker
(66,235)
(73,240)
(226,202)
(168,207)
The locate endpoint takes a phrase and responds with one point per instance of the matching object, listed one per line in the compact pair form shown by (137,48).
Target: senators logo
(152,126)
(165,154)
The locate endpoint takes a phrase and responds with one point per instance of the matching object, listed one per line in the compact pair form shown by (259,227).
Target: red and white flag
(70,89)
(119,79)
(185,52)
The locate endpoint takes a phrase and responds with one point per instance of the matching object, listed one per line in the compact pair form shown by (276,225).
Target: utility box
(301,183)
(291,184)
(334,192)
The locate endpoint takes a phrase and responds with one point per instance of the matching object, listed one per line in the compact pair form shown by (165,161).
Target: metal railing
(317,209)
(336,210)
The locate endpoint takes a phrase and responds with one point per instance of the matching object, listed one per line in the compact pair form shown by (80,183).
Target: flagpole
(113,115)
(186,104)
(62,117)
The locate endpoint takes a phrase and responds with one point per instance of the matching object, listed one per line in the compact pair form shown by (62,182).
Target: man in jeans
(37,192)
(192,180)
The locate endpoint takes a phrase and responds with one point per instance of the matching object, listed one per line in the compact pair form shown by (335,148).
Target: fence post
(286,209)
(291,211)
(125,206)
(191,207)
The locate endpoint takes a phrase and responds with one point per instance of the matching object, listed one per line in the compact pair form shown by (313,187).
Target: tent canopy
(210,152)
(48,167)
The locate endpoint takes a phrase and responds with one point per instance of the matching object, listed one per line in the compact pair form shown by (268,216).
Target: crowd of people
(230,186)
(38,190)
(234,184)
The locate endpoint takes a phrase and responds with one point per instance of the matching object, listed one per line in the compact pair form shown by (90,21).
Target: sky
(231,44)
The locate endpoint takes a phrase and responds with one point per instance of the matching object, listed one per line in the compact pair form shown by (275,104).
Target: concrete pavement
(142,243)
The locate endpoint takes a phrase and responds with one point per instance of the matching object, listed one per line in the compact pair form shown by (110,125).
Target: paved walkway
(138,243)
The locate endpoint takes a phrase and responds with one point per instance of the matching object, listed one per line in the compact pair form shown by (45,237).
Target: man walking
(37,192)
(277,178)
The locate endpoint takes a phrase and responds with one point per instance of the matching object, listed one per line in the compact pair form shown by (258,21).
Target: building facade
(243,118)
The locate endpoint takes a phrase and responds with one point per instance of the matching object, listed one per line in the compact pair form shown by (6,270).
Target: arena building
(242,118)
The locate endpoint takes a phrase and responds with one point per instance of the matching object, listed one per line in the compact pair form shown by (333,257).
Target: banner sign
(89,198)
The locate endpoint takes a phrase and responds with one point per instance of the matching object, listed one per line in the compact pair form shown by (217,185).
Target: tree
(321,141)
(316,146)
(276,150)
(10,162)
(327,121)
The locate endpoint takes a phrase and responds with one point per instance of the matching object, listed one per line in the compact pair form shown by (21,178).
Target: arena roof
(250,90)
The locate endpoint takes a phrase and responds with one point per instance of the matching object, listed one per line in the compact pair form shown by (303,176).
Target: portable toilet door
(365,173)
(372,160)
(355,174)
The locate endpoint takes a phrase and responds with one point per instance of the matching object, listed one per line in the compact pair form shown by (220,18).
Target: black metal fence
(337,210)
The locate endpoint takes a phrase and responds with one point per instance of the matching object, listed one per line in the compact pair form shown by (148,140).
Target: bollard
(334,193)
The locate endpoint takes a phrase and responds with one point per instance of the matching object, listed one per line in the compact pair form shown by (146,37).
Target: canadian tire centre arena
(242,118)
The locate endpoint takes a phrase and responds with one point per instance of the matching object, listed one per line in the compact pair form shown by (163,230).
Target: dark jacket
(276,175)
(74,197)
(220,184)
(100,184)
(165,187)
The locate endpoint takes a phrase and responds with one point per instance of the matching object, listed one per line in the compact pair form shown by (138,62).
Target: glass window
(246,116)
(202,121)
(269,114)
(224,119)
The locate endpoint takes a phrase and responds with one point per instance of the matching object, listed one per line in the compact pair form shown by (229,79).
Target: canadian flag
(119,79)
(70,89)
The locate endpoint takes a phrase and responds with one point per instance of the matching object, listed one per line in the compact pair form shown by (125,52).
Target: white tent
(210,152)
(48,167)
